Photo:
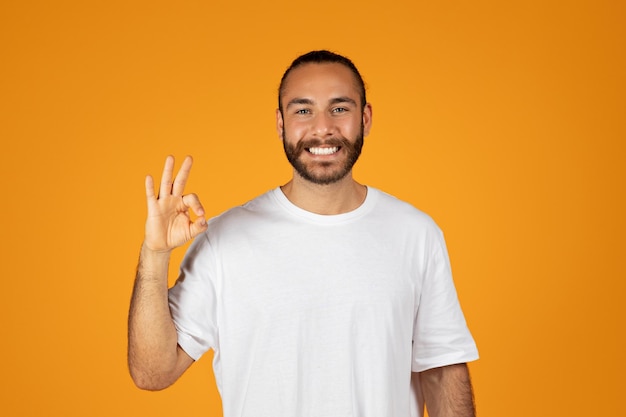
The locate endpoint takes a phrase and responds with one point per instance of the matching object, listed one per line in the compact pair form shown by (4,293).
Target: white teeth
(323,151)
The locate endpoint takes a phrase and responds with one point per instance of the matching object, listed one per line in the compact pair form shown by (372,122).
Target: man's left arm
(448,391)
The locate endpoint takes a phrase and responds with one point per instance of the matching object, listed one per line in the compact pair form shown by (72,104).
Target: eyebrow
(344,99)
(308,101)
(297,101)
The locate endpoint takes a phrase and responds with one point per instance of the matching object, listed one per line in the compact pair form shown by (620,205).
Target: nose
(323,125)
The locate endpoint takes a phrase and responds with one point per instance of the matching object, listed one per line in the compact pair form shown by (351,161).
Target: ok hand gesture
(168,224)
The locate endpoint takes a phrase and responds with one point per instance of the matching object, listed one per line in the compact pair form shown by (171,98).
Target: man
(322,297)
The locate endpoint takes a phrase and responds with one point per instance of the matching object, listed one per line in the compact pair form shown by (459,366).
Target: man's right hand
(169,225)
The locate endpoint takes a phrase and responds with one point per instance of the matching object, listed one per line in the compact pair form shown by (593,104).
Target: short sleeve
(193,299)
(440,333)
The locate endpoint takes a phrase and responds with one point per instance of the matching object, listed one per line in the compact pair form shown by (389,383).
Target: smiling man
(322,297)
(326,121)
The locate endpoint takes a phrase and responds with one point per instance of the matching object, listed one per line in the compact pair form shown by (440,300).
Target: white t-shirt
(317,316)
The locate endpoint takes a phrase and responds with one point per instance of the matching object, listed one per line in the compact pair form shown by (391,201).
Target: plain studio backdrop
(502,120)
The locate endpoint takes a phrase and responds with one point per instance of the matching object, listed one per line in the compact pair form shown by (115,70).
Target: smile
(323,151)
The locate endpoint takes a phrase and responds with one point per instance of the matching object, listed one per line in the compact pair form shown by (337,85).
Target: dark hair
(322,57)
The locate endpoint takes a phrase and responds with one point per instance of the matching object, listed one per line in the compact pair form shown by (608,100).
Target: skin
(321,103)
(154,358)
(447,391)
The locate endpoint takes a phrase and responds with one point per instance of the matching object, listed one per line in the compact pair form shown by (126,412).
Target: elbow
(154,371)
(147,381)
(149,385)
(147,376)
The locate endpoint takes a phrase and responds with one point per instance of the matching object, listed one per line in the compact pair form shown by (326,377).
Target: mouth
(323,150)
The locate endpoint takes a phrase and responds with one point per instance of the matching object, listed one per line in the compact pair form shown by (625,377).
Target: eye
(339,110)
(303,111)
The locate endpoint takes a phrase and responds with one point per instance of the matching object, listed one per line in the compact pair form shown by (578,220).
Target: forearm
(448,391)
(152,339)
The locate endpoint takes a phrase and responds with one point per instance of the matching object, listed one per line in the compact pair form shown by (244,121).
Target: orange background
(503,120)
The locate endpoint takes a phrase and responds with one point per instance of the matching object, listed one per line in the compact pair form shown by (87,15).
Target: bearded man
(321,297)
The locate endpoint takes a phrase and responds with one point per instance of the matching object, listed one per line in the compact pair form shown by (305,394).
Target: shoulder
(396,210)
(261,209)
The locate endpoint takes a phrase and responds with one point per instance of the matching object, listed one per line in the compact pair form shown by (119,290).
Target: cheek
(350,128)
(294,130)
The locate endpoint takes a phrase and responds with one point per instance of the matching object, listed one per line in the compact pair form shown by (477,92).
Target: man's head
(322,116)
(323,57)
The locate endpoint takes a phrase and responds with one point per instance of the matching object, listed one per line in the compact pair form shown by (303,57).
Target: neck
(336,198)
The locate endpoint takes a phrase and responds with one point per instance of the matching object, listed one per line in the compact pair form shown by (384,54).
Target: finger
(166,177)
(198,226)
(193,202)
(149,187)
(181,177)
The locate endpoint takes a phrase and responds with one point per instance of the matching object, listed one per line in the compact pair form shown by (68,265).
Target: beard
(328,175)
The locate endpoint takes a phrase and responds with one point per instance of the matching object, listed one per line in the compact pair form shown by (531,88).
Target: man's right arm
(154,358)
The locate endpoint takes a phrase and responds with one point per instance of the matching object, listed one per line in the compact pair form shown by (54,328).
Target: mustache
(313,143)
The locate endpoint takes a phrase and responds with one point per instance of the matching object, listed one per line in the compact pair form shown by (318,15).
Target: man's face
(322,123)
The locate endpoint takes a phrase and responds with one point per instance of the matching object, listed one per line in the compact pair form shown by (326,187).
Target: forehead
(315,80)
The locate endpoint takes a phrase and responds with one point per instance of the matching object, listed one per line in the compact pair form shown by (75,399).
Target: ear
(279,124)
(367,119)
